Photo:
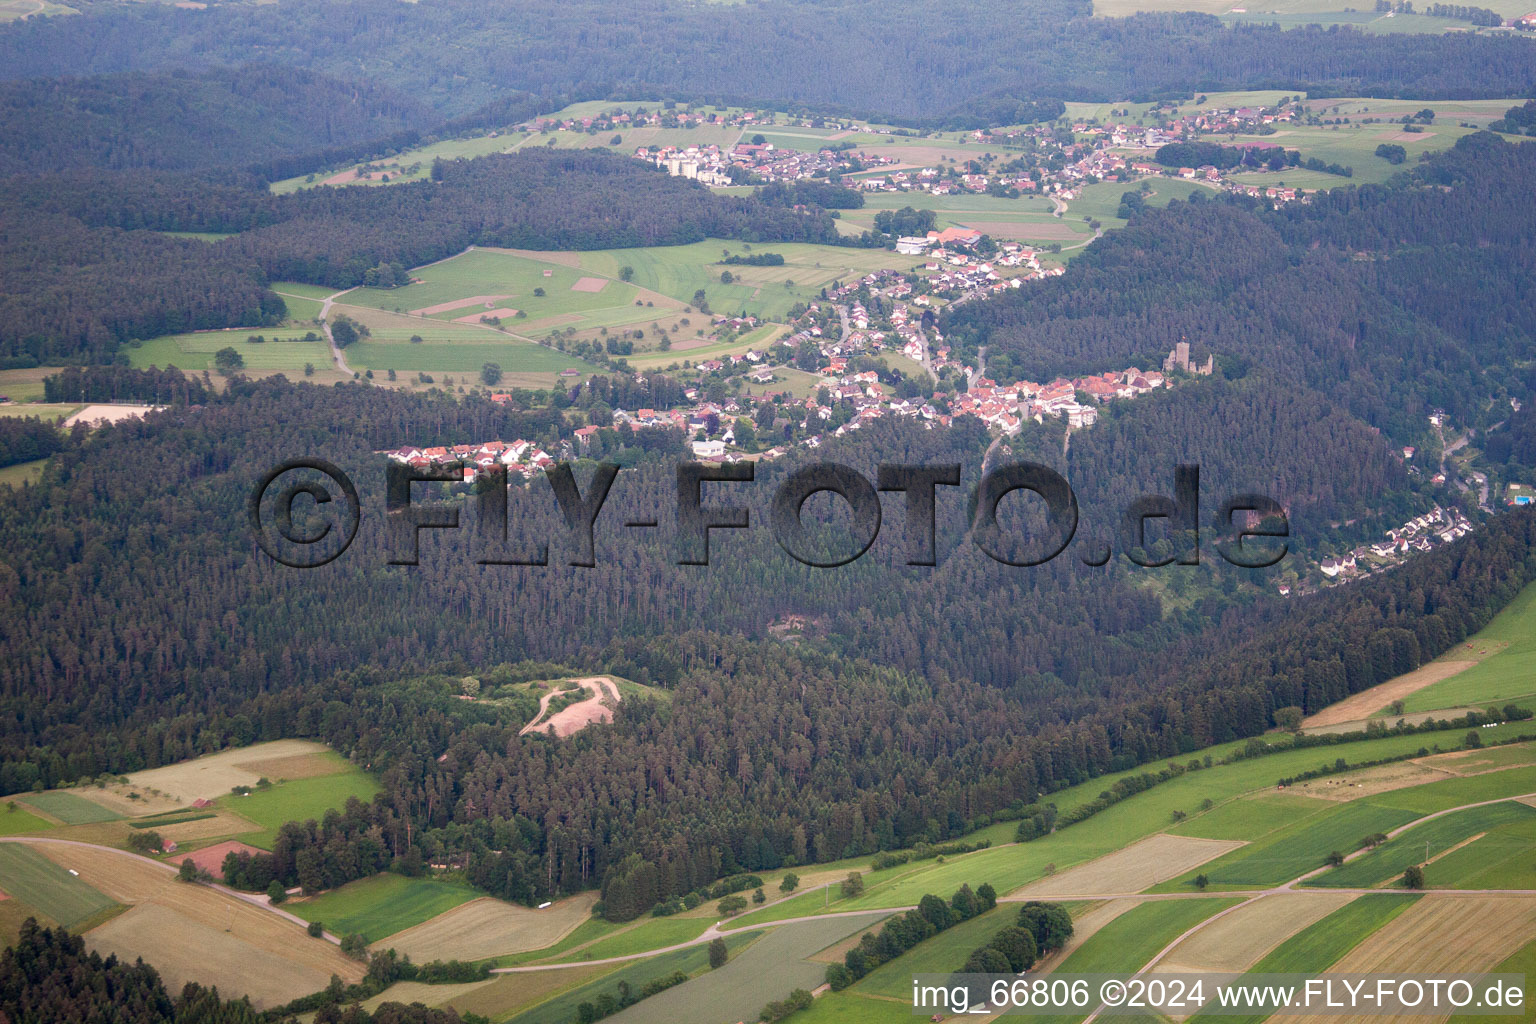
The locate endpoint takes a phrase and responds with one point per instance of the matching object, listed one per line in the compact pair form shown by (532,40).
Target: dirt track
(578,716)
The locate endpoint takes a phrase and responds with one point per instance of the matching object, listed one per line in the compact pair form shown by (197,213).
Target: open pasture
(1505,652)
(511,280)
(27,875)
(382,905)
(194,351)
(16,819)
(655,933)
(1297,849)
(1132,869)
(299,800)
(1501,859)
(448,347)
(1250,818)
(214,775)
(485,927)
(678,271)
(40,410)
(1243,937)
(69,807)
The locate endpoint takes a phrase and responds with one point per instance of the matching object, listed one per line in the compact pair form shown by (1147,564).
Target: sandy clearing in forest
(1239,940)
(473,300)
(95,414)
(597,707)
(1368,702)
(1132,869)
(488,927)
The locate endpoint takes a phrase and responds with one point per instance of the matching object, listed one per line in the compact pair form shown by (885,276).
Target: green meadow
(1501,859)
(70,808)
(29,876)
(1507,673)
(382,905)
(194,351)
(1388,861)
(298,800)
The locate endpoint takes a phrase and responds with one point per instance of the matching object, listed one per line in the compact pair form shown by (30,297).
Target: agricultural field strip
(247,898)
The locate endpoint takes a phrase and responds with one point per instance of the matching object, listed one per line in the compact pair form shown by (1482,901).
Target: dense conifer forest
(177,121)
(859,55)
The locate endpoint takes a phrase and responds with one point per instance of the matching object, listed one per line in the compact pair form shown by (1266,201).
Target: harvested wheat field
(197,933)
(1439,935)
(1137,867)
(485,928)
(474,300)
(589,284)
(500,313)
(1239,940)
(216,774)
(1367,702)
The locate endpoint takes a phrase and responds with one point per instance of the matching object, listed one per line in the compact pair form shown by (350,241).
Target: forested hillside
(894,722)
(1391,300)
(922,61)
(175,121)
(76,285)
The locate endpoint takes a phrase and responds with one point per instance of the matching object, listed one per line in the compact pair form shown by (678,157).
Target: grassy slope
(380,906)
(34,879)
(1009,867)
(1389,860)
(1507,673)
(562,1009)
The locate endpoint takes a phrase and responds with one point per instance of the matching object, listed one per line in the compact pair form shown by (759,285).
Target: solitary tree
(718,954)
(226,360)
(789,882)
(1413,878)
(853,885)
(490,373)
